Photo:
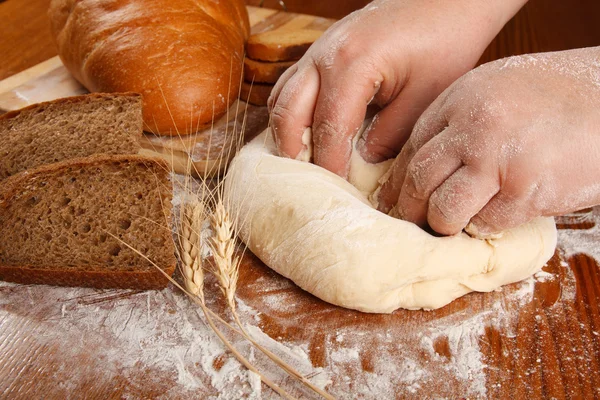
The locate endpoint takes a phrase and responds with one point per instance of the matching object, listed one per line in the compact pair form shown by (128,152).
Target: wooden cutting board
(209,149)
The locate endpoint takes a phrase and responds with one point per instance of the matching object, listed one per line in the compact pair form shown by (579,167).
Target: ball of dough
(321,232)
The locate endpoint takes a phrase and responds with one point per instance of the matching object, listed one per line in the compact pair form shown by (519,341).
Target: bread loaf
(264,72)
(183,56)
(281,45)
(56,223)
(67,128)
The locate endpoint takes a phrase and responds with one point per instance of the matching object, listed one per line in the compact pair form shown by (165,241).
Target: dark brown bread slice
(281,45)
(264,72)
(255,93)
(67,128)
(56,223)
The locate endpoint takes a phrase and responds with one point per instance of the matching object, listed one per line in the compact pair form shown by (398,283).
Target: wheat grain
(191,246)
(223,246)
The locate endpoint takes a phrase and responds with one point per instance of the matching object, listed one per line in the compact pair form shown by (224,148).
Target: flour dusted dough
(321,232)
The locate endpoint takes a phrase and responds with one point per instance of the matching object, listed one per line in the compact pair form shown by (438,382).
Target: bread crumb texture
(68,216)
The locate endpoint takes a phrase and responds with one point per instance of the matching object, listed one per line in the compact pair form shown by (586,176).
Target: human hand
(512,140)
(400,54)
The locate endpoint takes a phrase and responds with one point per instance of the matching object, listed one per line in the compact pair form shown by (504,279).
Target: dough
(321,232)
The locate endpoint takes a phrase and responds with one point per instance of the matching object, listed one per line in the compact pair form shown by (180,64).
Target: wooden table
(535,339)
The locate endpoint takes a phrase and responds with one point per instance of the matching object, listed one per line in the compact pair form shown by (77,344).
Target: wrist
(493,15)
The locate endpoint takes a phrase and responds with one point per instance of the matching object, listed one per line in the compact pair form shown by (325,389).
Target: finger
(459,198)
(391,127)
(429,168)
(503,211)
(341,106)
(431,123)
(279,85)
(293,111)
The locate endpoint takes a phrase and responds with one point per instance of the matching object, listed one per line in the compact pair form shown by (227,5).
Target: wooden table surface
(535,339)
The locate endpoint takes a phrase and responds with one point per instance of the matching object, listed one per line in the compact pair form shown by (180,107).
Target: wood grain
(25,33)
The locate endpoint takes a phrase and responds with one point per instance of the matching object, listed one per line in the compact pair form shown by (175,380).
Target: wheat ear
(226,269)
(222,245)
(191,259)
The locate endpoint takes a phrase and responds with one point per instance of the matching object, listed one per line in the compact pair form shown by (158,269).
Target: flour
(160,340)
(582,241)
(466,359)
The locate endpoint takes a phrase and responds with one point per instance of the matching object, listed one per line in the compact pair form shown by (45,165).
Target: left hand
(510,141)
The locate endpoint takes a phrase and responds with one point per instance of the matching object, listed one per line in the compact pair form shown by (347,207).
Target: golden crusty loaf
(56,223)
(70,127)
(183,56)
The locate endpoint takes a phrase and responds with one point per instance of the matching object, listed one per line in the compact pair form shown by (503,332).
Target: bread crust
(85,275)
(183,56)
(273,46)
(68,100)
(140,280)
(264,72)
(255,93)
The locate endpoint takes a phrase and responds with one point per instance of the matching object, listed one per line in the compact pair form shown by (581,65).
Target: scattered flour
(159,339)
(582,241)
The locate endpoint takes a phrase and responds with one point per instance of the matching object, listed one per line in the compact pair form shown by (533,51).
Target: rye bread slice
(55,223)
(70,127)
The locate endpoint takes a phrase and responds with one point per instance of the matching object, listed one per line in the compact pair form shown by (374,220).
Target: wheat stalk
(208,315)
(226,269)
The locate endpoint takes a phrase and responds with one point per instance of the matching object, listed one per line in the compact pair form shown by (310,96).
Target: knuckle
(487,113)
(442,210)
(414,183)
(441,219)
(325,131)
(500,214)
(280,115)
(346,53)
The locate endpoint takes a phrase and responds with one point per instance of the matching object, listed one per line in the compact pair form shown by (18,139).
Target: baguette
(281,45)
(183,56)
(264,72)
(67,128)
(56,223)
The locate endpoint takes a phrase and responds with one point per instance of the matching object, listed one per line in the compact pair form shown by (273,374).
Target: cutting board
(206,152)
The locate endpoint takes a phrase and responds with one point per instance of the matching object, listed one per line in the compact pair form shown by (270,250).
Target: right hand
(399,54)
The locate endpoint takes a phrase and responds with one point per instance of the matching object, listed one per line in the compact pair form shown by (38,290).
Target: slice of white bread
(68,128)
(281,45)
(57,223)
(264,72)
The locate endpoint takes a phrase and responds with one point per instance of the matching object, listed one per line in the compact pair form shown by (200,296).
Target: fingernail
(477,229)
